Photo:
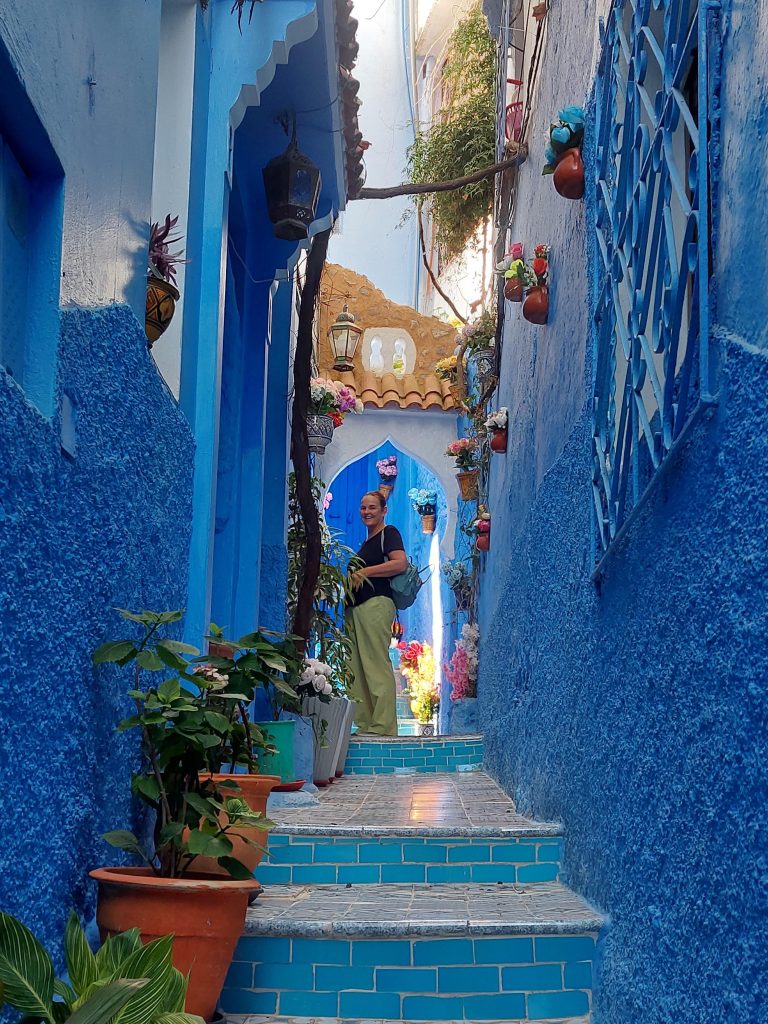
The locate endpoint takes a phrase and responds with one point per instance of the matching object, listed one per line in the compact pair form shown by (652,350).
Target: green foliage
(327,639)
(463,137)
(126,982)
(187,725)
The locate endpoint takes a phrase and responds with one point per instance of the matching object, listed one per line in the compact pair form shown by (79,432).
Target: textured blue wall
(109,527)
(636,713)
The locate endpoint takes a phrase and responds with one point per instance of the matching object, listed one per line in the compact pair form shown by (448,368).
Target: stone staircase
(414,893)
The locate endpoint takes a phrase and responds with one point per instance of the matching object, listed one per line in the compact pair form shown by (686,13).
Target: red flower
(337,418)
(539,267)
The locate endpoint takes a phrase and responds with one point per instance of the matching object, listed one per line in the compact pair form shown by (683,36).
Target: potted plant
(461,673)
(329,403)
(497,424)
(563,155)
(424,501)
(446,370)
(329,713)
(162,293)
(482,527)
(536,304)
(480,338)
(466,452)
(193,817)
(387,470)
(125,980)
(417,664)
(459,578)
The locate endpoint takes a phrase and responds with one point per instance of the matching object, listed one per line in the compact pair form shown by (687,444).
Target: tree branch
(431,273)
(411,189)
(302,375)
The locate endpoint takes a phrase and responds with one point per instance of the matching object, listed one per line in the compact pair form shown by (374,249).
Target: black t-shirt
(372,553)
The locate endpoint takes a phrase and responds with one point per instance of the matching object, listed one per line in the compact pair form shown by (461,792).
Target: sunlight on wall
(437,608)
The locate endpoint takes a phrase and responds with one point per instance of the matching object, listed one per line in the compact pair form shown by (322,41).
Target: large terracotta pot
(161,305)
(568,178)
(498,441)
(428,523)
(536,305)
(513,289)
(255,790)
(205,914)
(468,484)
(483,542)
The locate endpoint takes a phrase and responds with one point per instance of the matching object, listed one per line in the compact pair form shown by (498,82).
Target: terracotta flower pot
(428,524)
(455,391)
(386,490)
(161,305)
(536,305)
(468,484)
(205,914)
(483,542)
(498,441)
(513,289)
(568,178)
(255,790)
(221,650)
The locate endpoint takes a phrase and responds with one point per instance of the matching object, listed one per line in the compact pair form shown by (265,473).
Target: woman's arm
(397,563)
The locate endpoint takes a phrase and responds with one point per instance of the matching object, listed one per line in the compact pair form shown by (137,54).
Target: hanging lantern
(292,183)
(344,336)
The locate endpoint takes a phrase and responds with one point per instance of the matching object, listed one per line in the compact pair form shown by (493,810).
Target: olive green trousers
(369,627)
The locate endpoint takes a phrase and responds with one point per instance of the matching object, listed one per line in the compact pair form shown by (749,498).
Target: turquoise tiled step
(269,1019)
(306,859)
(525,977)
(369,755)
(404,707)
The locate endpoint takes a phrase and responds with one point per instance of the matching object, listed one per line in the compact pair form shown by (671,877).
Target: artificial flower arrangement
(465,452)
(461,673)
(315,680)
(458,576)
(420,671)
(497,423)
(536,304)
(332,398)
(424,502)
(482,527)
(479,333)
(446,368)
(563,155)
(513,269)
(409,654)
(387,469)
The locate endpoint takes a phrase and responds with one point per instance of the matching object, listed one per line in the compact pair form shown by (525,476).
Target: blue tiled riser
(336,860)
(422,755)
(520,977)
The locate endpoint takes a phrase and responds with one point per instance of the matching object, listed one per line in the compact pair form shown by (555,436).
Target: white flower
(358,406)
(327,689)
(318,684)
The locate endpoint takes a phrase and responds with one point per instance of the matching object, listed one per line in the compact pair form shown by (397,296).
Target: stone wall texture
(108,527)
(635,712)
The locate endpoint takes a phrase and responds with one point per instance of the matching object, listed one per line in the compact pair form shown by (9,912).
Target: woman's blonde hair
(376,494)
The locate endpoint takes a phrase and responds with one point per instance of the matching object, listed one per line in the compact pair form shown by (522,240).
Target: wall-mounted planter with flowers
(162,293)
(497,424)
(482,526)
(563,154)
(424,502)
(513,270)
(536,304)
(329,403)
(466,452)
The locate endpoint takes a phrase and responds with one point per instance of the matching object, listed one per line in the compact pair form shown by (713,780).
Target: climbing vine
(463,138)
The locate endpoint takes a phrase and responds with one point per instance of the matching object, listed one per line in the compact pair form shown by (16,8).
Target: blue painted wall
(108,527)
(636,713)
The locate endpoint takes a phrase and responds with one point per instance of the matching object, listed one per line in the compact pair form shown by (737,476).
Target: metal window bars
(653,367)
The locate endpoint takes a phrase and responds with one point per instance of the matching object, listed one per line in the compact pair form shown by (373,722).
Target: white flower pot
(328,720)
(346,736)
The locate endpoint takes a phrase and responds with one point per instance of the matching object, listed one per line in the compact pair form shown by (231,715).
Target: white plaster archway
(420,433)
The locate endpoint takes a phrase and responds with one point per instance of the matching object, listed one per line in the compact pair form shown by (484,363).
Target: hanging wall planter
(482,527)
(319,433)
(428,523)
(162,297)
(497,424)
(536,305)
(162,293)
(513,289)
(485,365)
(498,441)
(483,542)
(563,154)
(468,484)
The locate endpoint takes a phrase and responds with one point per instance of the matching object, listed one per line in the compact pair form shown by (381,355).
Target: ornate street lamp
(344,336)
(292,183)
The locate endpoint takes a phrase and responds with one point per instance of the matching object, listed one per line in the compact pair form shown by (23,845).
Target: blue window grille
(653,365)
(15,202)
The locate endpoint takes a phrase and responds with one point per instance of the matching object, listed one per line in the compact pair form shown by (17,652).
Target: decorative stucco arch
(422,434)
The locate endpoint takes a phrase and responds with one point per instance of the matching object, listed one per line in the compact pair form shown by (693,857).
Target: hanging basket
(319,433)
(161,305)
(468,484)
(485,366)
(428,523)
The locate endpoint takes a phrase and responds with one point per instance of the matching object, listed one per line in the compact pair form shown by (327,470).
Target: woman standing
(369,618)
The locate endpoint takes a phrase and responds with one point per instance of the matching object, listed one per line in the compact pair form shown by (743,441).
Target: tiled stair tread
(422,740)
(546,908)
(446,804)
(239,1019)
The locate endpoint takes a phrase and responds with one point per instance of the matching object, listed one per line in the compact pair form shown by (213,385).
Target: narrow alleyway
(414,895)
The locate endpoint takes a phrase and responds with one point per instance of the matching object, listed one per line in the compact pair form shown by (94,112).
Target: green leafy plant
(125,982)
(327,637)
(463,138)
(179,730)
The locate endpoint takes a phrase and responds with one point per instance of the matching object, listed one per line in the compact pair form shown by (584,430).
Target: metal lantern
(292,183)
(344,336)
